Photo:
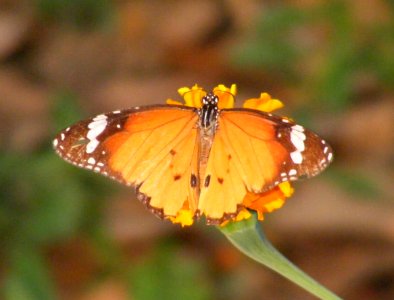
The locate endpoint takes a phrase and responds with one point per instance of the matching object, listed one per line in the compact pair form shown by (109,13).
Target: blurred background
(66,233)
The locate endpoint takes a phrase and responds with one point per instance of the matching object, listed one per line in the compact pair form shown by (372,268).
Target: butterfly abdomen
(208,121)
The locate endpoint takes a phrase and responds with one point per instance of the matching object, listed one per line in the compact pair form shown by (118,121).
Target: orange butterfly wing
(153,149)
(222,186)
(255,151)
(160,150)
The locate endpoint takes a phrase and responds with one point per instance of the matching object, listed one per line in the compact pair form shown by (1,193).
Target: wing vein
(164,157)
(244,131)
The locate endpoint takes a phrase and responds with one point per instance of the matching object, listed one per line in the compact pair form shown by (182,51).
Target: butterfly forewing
(152,148)
(82,143)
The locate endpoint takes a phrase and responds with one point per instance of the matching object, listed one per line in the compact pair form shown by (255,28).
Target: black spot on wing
(207,181)
(193,180)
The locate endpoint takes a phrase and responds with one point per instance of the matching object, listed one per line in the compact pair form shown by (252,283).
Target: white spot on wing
(296,157)
(91,146)
(55,142)
(100,117)
(297,142)
(329,156)
(293,172)
(91,161)
(298,127)
(96,128)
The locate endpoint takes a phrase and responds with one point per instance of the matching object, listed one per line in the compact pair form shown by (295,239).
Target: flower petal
(286,189)
(244,214)
(192,96)
(268,201)
(183,217)
(264,103)
(173,102)
(226,95)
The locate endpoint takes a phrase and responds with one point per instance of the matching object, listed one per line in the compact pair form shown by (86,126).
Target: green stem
(249,238)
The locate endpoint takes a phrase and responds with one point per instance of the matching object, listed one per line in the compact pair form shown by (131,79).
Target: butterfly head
(209,111)
(210,99)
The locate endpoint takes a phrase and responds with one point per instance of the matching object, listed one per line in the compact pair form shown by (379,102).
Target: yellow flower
(191,96)
(268,201)
(184,217)
(260,202)
(244,214)
(226,95)
(264,103)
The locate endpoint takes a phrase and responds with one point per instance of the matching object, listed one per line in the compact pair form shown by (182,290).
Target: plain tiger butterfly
(204,158)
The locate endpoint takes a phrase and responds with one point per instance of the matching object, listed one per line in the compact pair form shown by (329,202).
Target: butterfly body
(207,126)
(202,159)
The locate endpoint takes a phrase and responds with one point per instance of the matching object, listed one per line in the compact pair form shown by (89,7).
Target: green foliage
(65,110)
(344,48)
(248,237)
(28,278)
(169,274)
(271,47)
(81,13)
(43,200)
(355,183)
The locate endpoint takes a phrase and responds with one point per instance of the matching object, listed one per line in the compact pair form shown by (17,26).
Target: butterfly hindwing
(255,151)
(167,180)
(222,185)
(152,149)
(272,149)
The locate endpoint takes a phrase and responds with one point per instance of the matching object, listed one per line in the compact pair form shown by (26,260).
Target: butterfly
(205,159)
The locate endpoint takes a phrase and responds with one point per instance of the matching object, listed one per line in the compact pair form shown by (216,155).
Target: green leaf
(65,109)
(248,237)
(170,274)
(84,14)
(28,277)
(356,183)
(271,47)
